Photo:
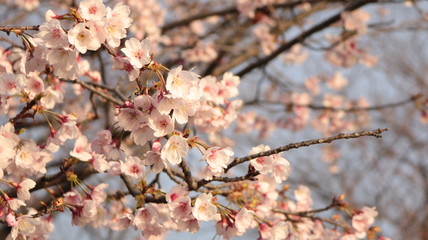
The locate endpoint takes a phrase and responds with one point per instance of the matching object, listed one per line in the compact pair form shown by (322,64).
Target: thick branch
(375,133)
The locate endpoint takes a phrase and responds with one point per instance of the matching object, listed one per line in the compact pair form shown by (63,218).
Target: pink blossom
(124,64)
(101,144)
(182,84)
(52,34)
(337,82)
(82,38)
(51,97)
(362,220)
(161,124)
(130,118)
(175,149)
(133,166)
(175,193)
(81,149)
(202,52)
(92,9)
(303,198)
(204,209)
(116,22)
(281,168)
(8,84)
(143,134)
(36,59)
(137,52)
(244,219)
(25,157)
(230,84)
(356,20)
(64,62)
(23,189)
(25,226)
(98,194)
(34,85)
(262,164)
(218,158)
(154,159)
(183,109)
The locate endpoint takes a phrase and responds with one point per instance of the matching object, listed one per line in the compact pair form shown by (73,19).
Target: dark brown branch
(132,188)
(375,133)
(191,184)
(249,177)
(300,38)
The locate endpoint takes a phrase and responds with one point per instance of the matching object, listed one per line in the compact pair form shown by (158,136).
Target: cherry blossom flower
(25,157)
(133,166)
(64,62)
(52,34)
(92,9)
(82,149)
(337,82)
(230,84)
(356,20)
(303,198)
(262,164)
(143,134)
(204,209)
(147,220)
(101,144)
(116,22)
(24,227)
(36,59)
(51,97)
(183,110)
(244,219)
(362,220)
(202,52)
(7,150)
(82,38)
(23,189)
(124,64)
(130,118)
(34,85)
(8,84)
(182,84)
(218,158)
(137,52)
(175,149)
(281,168)
(161,124)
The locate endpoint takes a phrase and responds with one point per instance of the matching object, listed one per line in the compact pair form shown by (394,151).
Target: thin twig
(375,133)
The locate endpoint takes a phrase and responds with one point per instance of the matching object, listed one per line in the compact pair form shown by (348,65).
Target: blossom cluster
(154,132)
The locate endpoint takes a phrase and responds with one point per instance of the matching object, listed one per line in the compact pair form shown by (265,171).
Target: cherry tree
(156,115)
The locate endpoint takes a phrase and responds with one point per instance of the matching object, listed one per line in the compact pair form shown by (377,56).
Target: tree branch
(300,38)
(375,133)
